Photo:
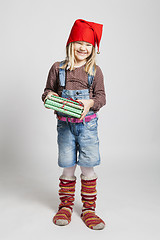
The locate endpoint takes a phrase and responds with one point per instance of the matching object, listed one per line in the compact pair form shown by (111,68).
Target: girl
(79,78)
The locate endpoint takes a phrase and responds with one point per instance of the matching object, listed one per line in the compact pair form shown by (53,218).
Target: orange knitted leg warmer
(89,196)
(66,193)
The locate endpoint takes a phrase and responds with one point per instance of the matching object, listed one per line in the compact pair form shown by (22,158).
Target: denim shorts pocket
(91,125)
(60,124)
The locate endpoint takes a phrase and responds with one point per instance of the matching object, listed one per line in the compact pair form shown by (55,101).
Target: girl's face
(82,50)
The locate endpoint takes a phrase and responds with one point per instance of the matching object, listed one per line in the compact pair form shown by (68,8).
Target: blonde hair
(70,60)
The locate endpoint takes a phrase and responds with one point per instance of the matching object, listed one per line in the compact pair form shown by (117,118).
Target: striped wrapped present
(68,106)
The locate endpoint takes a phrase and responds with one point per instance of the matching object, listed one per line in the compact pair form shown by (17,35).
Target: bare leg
(87,171)
(69,171)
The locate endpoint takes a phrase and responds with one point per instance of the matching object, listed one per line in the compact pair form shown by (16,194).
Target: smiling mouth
(81,53)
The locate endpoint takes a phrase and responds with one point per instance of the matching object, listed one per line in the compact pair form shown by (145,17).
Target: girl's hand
(50,94)
(87,105)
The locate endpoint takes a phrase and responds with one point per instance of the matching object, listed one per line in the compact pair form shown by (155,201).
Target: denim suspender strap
(62,76)
(90,78)
(62,73)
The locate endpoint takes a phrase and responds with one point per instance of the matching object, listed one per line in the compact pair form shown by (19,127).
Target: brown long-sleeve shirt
(77,79)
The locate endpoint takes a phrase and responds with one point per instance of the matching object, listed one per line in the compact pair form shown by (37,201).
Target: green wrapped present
(68,106)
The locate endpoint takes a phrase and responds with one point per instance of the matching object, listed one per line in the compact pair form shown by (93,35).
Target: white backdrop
(33,37)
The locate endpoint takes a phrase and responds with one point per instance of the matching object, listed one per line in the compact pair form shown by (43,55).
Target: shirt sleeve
(52,83)
(98,91)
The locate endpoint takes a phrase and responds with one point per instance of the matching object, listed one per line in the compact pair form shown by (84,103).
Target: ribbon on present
(68,106)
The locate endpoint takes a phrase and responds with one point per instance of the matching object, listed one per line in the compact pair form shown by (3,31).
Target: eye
(89,45)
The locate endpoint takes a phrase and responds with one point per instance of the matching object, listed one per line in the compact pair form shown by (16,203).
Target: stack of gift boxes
(68,106)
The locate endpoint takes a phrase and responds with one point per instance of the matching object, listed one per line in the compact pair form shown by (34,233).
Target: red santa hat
(86,31)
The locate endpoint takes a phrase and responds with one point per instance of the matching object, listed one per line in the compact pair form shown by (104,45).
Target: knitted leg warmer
(89,196)
(66,194)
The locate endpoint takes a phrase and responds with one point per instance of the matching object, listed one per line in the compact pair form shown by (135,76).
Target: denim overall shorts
(78,143)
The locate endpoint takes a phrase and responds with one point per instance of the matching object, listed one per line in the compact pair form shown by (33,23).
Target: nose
(82,47)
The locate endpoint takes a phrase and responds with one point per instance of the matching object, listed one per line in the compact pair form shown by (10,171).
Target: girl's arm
(97,97)
(87,105)
(98,91)
(51,84)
